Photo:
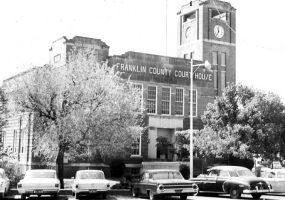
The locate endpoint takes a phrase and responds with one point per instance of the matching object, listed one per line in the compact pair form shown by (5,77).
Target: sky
(150,26)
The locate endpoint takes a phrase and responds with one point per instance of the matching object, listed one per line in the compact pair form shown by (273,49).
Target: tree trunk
(60,165)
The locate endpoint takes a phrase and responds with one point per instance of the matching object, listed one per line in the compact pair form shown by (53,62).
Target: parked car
(39,182)
(90,182)
(275,177)
(4,183)
(233,180)
(164,182)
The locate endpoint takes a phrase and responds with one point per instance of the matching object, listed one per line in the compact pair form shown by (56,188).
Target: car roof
(227,167)
(160,170)
(89,170)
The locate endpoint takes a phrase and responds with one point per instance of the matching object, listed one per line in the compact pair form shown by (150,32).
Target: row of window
(152,100)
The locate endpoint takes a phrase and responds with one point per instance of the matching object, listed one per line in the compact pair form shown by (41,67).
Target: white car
(39,182)
(89,182)
(4,183)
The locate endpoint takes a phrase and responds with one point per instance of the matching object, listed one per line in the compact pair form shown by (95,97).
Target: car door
(143,183)
(222,177)
(211,180)
(279,182)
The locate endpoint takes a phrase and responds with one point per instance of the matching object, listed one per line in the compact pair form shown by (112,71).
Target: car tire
(151,195)
(104,195)
(183,197)
(134,193)
(235,193)
(256,196)
(54,196)
(23,196)
(76,196)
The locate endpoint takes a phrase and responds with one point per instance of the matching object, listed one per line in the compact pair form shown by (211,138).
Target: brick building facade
(206,31)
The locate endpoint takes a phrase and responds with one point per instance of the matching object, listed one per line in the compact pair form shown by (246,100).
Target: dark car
(160,183)
(233,180)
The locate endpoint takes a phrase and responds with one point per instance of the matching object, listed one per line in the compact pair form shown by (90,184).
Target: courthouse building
(206,31)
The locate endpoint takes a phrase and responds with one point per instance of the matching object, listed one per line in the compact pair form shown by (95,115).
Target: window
(189,17)
(224,173)
(139,88)
(165,101)
(192,55)
(223,59)
(151,99)
(186,56)
(223,80)
(15,141)
(194,103)
(57,58)
(219,15)
(215,58)
(135,148)
(179,101)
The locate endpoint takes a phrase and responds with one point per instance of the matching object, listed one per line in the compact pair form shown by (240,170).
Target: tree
(81,108)
(3,109)
(241,123)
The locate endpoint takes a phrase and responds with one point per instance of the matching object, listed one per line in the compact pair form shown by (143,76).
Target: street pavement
(129,197)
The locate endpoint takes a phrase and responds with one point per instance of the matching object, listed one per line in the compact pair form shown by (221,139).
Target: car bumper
(257,191)
(38,191)
(90,191)
(174,192)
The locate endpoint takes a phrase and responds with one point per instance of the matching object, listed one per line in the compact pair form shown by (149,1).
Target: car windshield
(90,175)
(40,174)
(244,172)
(166,175)
(281,175)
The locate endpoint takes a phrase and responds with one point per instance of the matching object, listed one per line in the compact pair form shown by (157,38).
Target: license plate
(38,191)
(92,191)
(178,190)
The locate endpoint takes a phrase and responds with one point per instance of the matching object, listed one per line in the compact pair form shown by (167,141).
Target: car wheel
(54,196)
(256,196)
(134,193)
(151,195)
(104,195)
(235,193)
(76,196)
(23,196)
(183,197)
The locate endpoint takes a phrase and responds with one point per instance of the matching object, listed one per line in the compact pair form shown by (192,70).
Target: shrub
(117,168)
(185,171)
(9,162)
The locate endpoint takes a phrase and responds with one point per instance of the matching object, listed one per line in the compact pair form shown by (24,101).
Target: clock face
(219,31)
(188,32)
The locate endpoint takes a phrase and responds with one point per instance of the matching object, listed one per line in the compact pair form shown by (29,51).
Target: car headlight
(76,186)
(161,187)
(195,187)
(108,185)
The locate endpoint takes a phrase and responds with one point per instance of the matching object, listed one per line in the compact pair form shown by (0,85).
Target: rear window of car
(166,175)
(90,175)
(40,174)
(244,172)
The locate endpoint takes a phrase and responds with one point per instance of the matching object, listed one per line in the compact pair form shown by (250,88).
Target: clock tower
(207,31)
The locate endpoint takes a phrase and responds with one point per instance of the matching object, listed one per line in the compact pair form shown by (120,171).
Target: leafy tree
(241,123)
(3,109)
(83,108)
